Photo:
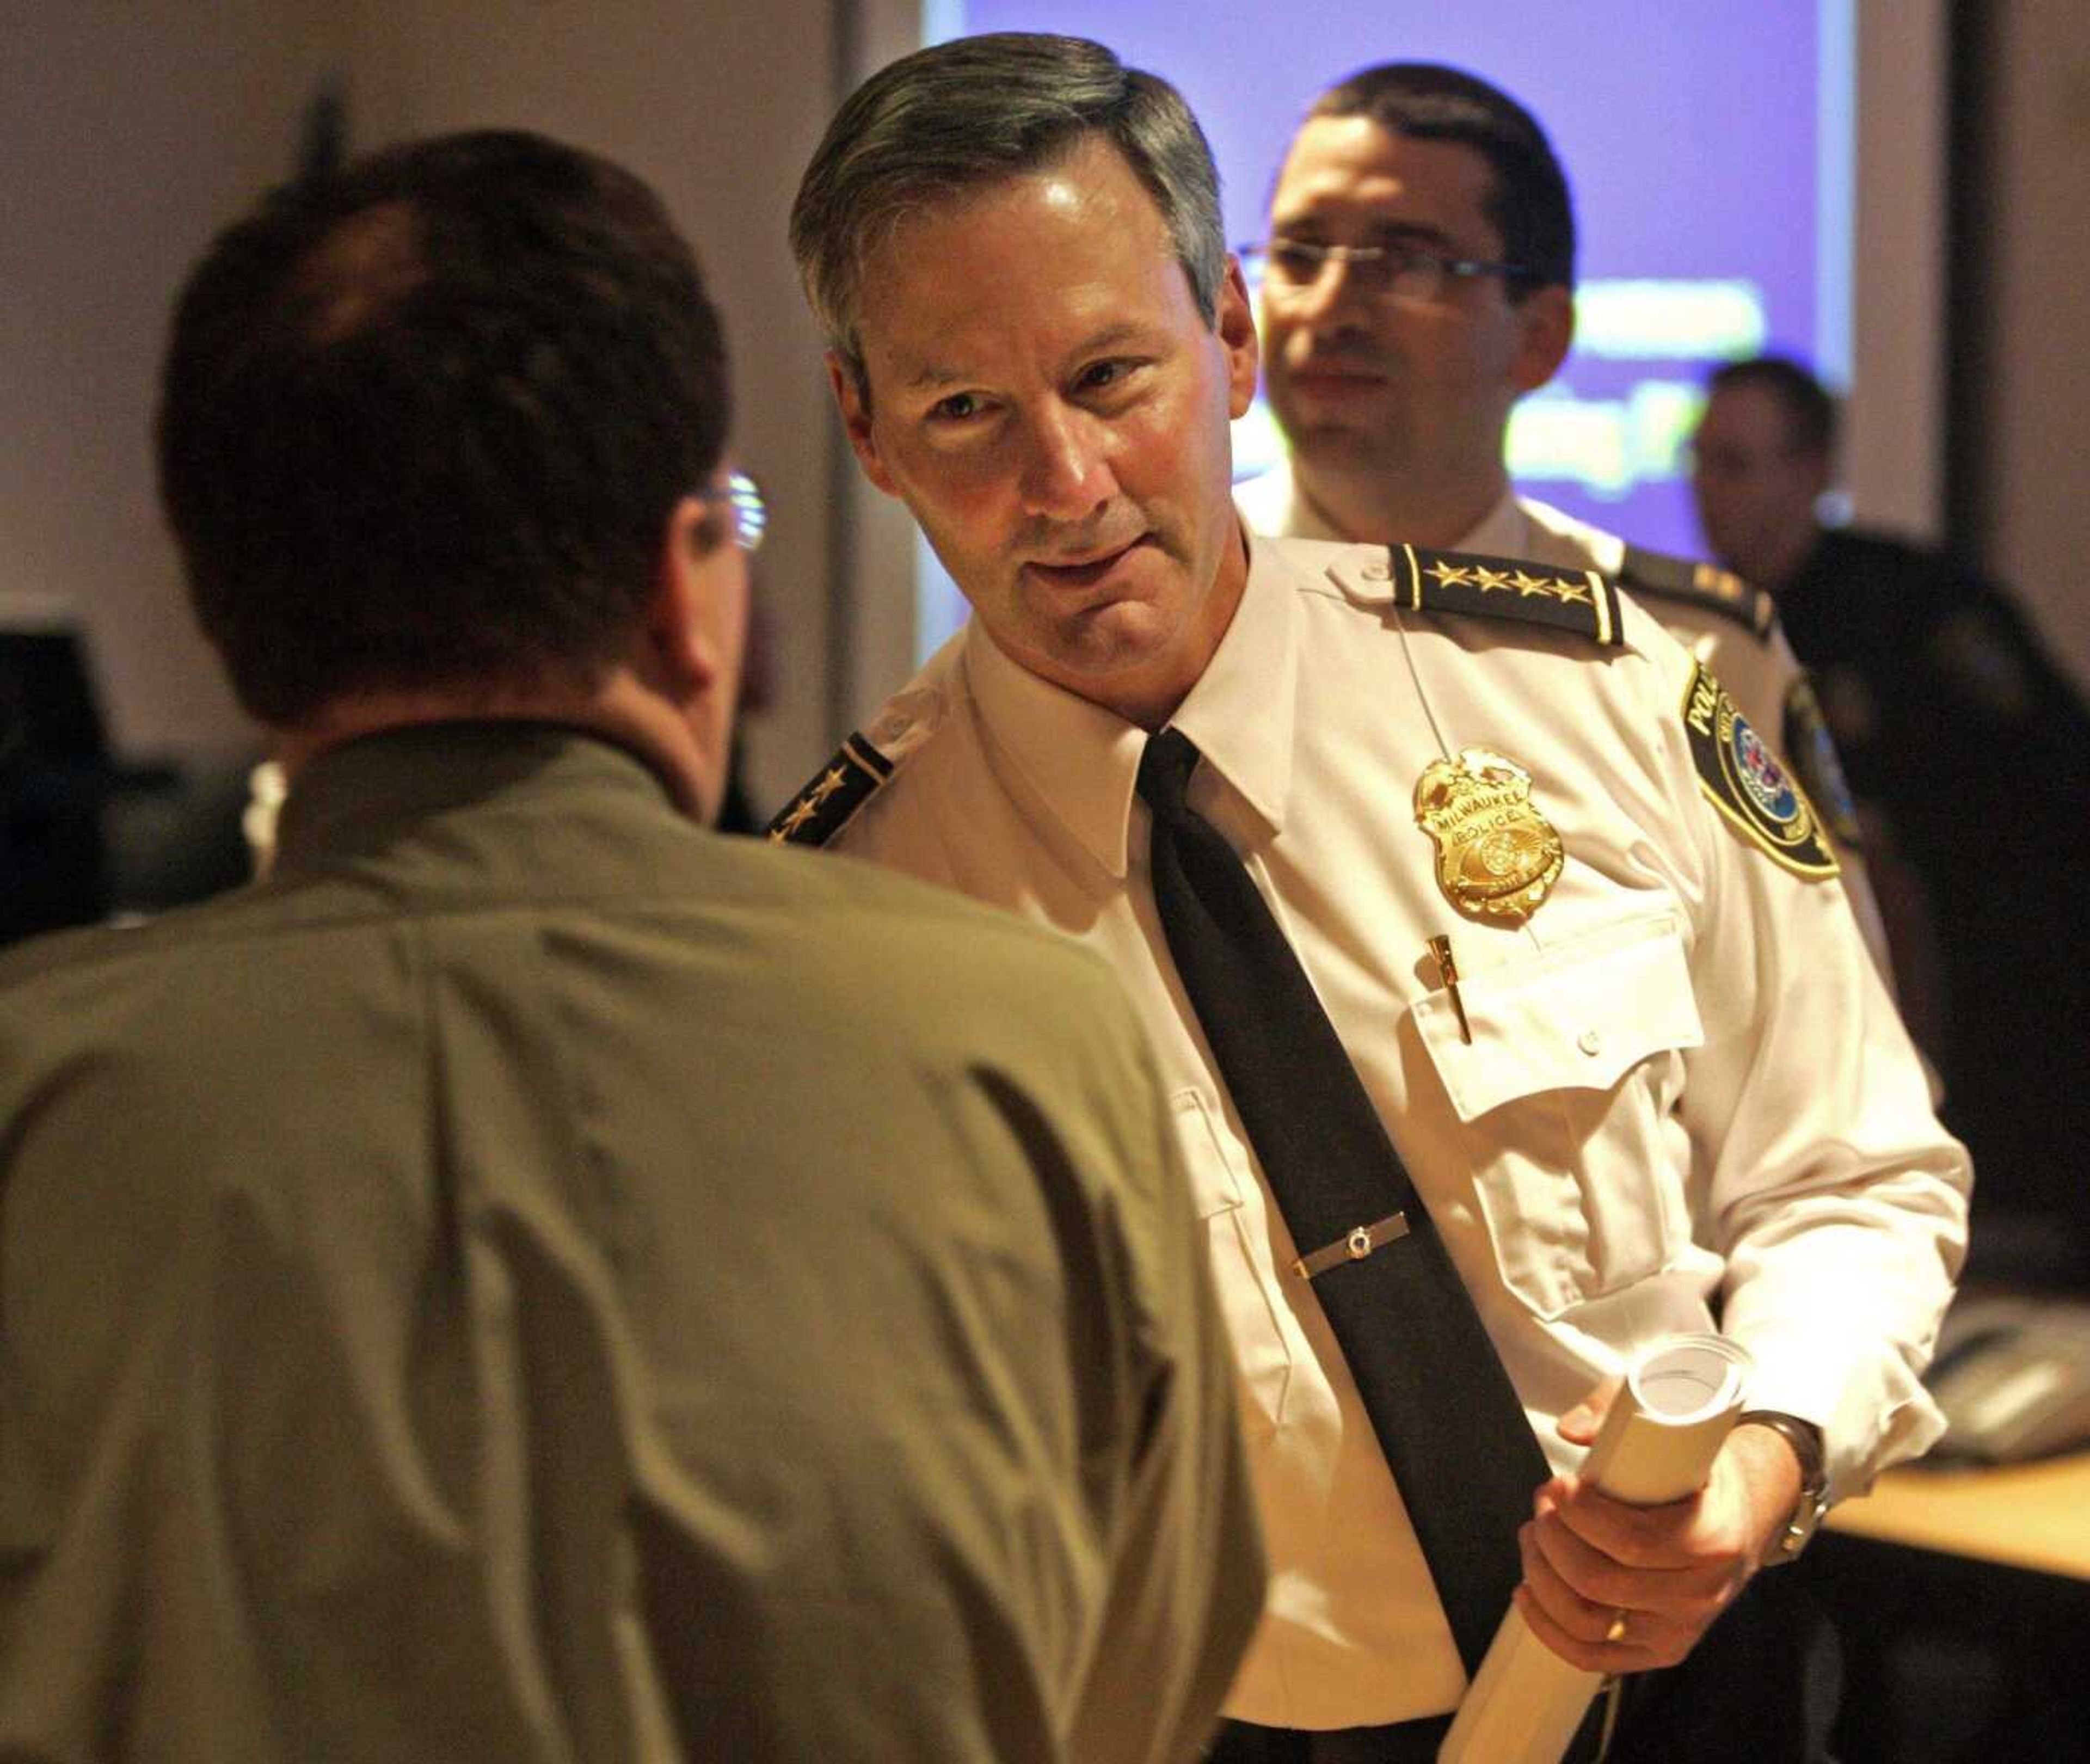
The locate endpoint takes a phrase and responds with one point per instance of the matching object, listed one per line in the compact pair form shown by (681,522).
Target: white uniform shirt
(1686,1088)
(1759,669)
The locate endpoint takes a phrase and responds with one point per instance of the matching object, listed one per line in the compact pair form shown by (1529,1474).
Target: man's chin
(1303,419)
(1119,634)
(1335,446)
(1119,643)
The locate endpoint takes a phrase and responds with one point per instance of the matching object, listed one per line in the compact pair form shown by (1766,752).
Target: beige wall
(128,135)
(2039,235)
(132,129)
(717,104)
(1892,455)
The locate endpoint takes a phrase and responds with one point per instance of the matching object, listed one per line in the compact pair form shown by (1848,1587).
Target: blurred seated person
(531,1279)
(1964,735)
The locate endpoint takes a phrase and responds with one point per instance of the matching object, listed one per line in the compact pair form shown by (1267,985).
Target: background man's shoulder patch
(832,795)
(1750,786)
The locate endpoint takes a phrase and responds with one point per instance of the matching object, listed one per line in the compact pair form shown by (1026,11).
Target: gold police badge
(1497,856)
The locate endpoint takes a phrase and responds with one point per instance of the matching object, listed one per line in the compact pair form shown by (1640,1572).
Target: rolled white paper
(1657,1444)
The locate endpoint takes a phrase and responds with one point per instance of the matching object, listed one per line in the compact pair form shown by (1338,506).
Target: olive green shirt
(536,1281)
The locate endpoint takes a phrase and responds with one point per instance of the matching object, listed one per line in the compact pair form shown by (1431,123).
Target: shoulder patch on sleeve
(1579,600)
(1704,585)
(1743,780)
(832,795)
(1820,767)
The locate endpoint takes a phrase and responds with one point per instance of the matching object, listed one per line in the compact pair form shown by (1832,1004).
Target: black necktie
(1453,1431)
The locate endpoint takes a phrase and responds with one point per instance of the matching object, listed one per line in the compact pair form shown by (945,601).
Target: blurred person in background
(1418,280)
(1970,745)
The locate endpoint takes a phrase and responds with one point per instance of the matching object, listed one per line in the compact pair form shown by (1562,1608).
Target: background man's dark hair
(423,422)
(1810,412)
(976,111)
(1529,203)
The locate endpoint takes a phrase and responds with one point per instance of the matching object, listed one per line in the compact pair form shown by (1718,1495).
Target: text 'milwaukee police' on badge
(1747,783)
(1497,856)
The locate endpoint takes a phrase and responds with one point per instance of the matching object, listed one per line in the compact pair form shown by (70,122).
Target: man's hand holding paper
(1667,1571)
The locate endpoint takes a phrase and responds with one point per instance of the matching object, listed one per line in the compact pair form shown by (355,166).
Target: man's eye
(955,408)
(1099,375)
(1302,262)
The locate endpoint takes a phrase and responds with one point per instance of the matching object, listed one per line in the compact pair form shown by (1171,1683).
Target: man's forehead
(1356,164)
(1747,412)
(1072,256)
(1088,178)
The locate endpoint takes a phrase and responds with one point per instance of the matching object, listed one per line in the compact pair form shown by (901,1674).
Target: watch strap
(1804,1437)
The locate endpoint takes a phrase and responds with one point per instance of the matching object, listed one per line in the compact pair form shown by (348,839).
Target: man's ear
(855,403)
(1546,328)
(1235,322)
(682,641)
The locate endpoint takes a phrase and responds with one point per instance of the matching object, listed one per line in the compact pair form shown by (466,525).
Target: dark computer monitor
(56,777)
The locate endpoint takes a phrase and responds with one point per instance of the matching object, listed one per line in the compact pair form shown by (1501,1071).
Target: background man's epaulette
(832,795)
(1706,585)
(1580,601)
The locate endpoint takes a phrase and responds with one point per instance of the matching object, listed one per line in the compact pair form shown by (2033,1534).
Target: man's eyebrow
(929,377)
(933,376)
(1309,226)
(1403,230)
(1110,336)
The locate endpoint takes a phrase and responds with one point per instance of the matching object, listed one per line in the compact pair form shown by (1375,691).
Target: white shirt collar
(1499,533)
(1271,502)
(1079,762)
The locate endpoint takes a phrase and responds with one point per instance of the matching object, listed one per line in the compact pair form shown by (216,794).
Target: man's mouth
(1335,374)
(1083,572)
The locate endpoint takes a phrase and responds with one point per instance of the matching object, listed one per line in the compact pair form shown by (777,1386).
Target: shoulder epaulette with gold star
(832,795)
(1704,585)
(1580,601)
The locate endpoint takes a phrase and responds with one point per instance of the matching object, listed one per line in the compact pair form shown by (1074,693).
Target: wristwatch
(1805,1439)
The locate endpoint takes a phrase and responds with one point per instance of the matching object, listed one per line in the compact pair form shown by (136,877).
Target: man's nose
(1066,473)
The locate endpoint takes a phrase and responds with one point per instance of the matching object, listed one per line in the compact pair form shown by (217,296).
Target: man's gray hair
(948,120)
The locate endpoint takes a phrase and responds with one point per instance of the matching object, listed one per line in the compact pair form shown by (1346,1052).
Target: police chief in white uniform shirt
(1686,1101)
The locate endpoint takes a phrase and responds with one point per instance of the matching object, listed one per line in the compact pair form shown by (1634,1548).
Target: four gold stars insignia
(1450,575)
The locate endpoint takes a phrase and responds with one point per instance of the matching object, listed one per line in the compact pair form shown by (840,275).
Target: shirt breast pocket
(1222,1186)
(1566,1095)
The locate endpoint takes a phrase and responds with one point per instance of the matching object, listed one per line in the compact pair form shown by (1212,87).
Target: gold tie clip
(1359,1243)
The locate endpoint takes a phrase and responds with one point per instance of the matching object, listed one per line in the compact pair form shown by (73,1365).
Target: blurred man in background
(1973,747)
(1418,280)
